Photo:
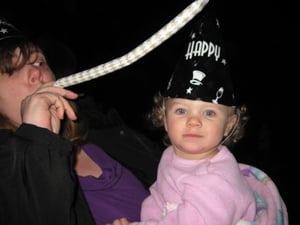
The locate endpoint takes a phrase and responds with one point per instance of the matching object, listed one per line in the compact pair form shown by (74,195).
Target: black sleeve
(38,184)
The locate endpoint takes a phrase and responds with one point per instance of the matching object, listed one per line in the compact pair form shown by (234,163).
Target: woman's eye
(209,113)
(37,63)
(180,111)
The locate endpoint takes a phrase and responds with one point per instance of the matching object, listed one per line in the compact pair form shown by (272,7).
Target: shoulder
(97,153)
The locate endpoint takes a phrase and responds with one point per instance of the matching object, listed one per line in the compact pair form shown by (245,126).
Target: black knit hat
(7,30)
(202,73)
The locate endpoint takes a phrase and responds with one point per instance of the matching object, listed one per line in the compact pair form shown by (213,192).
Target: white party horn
(151,43)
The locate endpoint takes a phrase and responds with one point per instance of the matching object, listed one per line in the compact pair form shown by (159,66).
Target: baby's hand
(122,221)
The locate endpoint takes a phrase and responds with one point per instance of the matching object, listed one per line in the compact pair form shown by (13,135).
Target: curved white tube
(151,43)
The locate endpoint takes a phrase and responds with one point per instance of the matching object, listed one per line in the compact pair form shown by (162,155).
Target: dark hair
(7,50)
(75,131)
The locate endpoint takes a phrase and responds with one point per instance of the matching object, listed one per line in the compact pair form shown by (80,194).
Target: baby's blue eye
(209,113)
(180,111)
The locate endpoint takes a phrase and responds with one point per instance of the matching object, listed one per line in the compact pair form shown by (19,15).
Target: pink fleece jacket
(211,191)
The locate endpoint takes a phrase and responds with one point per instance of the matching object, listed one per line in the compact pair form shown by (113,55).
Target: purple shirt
(116,193)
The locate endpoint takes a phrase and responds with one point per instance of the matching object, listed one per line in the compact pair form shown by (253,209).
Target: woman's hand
(47,106)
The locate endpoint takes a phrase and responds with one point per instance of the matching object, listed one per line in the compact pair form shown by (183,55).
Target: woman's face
(23,82)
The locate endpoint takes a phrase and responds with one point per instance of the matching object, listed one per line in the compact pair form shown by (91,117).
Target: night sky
(261,44)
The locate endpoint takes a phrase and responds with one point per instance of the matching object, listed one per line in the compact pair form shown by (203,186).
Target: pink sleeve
(151,206)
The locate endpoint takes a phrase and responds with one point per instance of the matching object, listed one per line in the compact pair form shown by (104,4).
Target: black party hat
(7,30)
(202,72)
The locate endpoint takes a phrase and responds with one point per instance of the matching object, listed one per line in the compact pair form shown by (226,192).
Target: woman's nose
(35,76)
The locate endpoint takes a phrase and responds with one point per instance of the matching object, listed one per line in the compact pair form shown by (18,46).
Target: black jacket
(37,183)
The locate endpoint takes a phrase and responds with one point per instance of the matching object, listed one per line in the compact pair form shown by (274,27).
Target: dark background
(261,42)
